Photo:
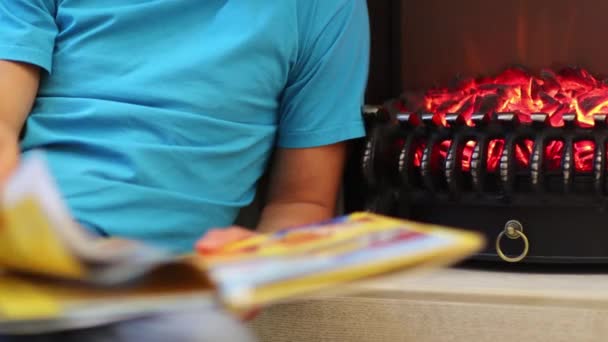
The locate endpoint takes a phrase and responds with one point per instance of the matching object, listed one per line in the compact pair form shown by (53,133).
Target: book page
(31,304)
(39,234)
(280,265)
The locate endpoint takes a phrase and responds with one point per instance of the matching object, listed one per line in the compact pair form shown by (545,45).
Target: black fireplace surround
(529,216)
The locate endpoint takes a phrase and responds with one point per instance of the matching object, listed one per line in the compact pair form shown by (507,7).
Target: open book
(53,273)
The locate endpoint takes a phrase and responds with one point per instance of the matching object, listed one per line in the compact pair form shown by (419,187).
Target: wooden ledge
(457,304)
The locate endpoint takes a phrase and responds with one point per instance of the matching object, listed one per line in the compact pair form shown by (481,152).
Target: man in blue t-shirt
(157,118)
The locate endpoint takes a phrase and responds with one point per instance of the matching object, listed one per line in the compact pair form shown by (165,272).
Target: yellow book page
(296,241)
(20,300)
(25,298)
(338,252)
(28,243)
(289,288)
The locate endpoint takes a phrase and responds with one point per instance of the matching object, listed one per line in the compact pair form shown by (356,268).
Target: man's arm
(304,185)
(320,109)
(18,88)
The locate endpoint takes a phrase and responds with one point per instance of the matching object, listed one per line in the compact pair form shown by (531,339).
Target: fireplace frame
(558,230)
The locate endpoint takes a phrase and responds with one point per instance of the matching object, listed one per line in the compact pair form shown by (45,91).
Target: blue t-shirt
(159,116)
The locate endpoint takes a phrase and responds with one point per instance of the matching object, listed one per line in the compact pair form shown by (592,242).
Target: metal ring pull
(513,230)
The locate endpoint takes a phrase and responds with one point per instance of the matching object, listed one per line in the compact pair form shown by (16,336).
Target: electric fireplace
(490,116)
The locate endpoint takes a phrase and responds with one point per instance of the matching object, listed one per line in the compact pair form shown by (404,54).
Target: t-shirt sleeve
(27,31)
(322,101)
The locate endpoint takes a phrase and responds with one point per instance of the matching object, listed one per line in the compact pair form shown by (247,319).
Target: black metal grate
(402,158)
(561,207)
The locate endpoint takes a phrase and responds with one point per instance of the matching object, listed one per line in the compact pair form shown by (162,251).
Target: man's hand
(215,239)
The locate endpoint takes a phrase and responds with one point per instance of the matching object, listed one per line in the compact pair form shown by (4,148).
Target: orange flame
(570,91)
(514,90)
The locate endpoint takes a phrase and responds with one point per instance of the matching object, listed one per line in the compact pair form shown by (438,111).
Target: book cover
(53,274)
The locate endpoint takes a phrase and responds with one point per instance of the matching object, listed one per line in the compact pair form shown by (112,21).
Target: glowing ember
(570,91)
(523,150)
(495,148)
(583,155)
(553,155)
(418,152)
(467,153)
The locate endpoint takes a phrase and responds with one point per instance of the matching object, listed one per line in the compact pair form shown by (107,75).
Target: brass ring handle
(513,230)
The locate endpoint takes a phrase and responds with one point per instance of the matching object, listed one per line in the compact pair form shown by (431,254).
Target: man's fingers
(250,315)
(215,239)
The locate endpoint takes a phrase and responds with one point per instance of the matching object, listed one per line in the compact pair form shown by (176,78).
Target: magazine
(54,273)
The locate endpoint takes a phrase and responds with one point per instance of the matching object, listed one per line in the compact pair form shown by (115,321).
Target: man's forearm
(276,216)
(18,88)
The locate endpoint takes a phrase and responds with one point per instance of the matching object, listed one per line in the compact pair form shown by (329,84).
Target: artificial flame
(516,91)
(570,91)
